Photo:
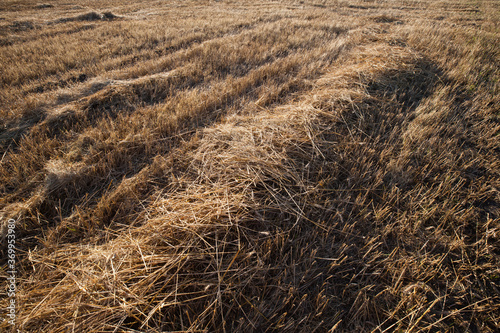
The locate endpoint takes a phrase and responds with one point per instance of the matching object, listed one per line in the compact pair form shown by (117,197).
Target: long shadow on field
(357,181)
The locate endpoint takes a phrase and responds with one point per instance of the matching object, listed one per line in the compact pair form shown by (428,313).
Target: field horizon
(250,166)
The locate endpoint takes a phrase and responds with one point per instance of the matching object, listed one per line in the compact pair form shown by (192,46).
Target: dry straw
(252,167)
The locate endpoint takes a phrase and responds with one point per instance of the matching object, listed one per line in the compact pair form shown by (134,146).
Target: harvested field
(250,166)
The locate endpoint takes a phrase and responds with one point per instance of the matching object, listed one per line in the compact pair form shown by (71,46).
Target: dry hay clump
(90,16)
(44,6)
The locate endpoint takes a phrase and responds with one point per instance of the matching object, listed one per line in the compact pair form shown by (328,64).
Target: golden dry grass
(237,166)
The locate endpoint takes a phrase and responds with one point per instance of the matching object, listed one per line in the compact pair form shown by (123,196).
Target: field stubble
(237,166)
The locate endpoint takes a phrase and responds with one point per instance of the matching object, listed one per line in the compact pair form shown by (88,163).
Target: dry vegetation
(252,166)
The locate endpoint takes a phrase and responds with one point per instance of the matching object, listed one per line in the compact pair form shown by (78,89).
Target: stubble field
(251,166)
